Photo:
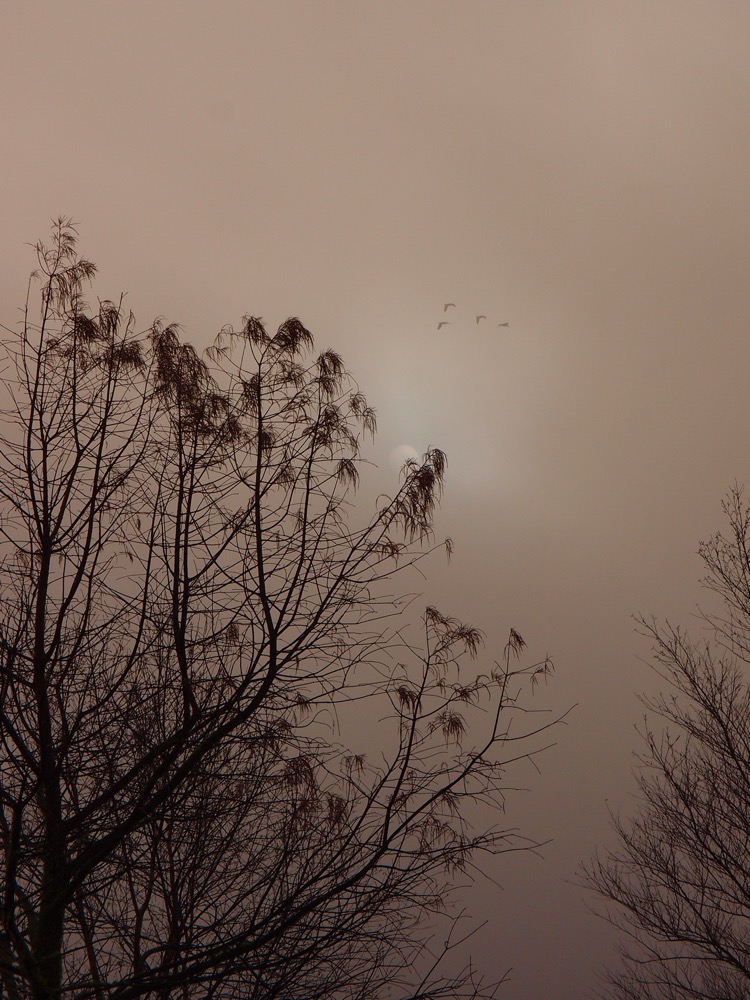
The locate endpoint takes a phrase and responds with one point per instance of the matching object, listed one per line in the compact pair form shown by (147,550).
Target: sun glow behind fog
(402,453)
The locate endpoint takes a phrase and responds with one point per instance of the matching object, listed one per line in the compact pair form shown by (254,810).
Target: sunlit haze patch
(402,453)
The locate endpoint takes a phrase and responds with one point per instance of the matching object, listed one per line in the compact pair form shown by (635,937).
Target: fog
(577,170)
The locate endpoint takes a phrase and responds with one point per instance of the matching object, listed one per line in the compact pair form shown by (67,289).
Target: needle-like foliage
(225,771)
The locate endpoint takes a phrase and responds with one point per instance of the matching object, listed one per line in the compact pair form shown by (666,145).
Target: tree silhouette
(226,769)
(678,884)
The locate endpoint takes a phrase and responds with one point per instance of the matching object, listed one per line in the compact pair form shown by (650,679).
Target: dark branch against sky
(576,169)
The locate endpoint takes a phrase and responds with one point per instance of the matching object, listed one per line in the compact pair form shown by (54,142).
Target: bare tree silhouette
(190,625)
(678,884)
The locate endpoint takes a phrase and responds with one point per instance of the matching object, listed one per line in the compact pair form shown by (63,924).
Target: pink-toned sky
(578,169)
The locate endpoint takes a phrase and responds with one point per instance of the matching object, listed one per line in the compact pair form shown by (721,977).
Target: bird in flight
(448,305)
(503,324)
(480,317)
(444,323)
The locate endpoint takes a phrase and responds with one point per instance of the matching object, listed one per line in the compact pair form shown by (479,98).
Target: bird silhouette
(480,317)
(447,306)
(444,323)
(503,324)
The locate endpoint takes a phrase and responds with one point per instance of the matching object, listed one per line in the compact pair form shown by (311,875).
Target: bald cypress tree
(226,767)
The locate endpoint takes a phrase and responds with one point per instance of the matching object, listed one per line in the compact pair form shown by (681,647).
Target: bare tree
(226,769)
(679,882)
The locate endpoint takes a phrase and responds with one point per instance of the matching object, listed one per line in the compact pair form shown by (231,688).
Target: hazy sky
(578,169)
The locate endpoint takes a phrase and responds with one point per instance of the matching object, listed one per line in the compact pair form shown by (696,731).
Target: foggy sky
(579,169)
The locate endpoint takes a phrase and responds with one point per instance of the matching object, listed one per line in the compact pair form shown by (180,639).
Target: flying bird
(503,324)
(444,323)
(480,317)
(448,305)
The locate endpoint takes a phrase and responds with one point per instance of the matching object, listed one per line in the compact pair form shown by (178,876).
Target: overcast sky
(576,169)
